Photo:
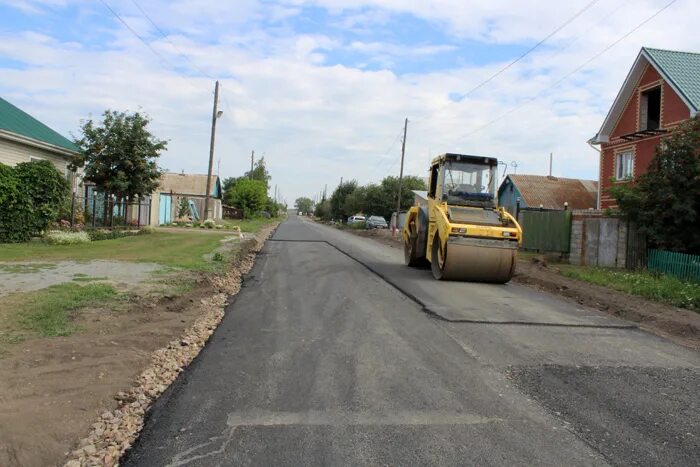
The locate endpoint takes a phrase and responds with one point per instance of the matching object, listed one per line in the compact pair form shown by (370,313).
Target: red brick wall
(673,111)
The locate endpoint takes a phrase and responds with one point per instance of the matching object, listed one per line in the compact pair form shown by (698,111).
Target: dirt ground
(677,324)
(30,276)
(52,390)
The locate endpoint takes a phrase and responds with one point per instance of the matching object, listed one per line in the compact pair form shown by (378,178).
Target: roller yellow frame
(458,228)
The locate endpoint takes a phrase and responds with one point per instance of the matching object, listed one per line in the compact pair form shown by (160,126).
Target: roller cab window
(469,184)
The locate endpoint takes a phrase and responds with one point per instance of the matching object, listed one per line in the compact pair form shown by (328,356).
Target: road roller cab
(458,228)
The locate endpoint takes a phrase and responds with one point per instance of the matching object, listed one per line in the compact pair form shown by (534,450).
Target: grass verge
(48,311)
(663,288)
(176,249)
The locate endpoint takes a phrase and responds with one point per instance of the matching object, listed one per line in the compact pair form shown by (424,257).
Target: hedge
(31,197)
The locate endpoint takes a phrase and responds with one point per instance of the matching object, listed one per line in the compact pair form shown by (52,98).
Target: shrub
(96,235)
(219,226)
(147,230)
(209,223)
(31,197)
(59,237)
(218,257)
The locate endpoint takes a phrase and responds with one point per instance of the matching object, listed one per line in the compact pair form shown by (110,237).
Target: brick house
(661,91)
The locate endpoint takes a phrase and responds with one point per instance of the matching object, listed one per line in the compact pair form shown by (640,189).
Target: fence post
(517,208)
(72,210)
(94,201)
(111,213)
(138,217)
(126,213)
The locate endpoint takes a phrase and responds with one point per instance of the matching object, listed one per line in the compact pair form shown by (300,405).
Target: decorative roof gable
(681,70)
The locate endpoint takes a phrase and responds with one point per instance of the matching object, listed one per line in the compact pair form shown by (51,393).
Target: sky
(321,88)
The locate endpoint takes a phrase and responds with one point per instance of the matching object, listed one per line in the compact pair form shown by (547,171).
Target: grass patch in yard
(249,225)
(30,268)
(183,249)
(89,279)
(663,288)
(47,312)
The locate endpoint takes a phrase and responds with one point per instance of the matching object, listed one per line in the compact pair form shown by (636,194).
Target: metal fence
(680,265)
(546,231)
(97,211)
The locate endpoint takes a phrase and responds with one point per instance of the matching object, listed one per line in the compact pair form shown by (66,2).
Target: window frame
(620,173)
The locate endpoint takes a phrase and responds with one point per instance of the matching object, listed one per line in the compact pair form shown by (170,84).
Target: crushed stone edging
(115,431)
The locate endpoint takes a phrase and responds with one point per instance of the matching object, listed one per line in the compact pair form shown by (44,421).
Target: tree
(665,202)
(119,154)
(227,187)
(260,173)
(304,204)
(250,196)
(390,189)
(355,201)
(338,199)
(323,210)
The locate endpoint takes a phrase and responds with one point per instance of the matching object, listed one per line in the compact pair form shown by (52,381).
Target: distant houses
(23,138)
(547,192)
(174,187)
(661,91)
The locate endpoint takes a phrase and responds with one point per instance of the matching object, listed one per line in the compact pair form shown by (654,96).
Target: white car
(356,219)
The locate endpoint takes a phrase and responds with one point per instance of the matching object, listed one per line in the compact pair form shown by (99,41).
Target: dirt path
(53,390)
(677,324)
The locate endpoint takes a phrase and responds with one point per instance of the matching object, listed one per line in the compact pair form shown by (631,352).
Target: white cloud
(316,122)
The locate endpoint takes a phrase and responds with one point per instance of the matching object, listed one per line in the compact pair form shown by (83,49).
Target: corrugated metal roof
(553,192)
(683,69)
(15,120)
(189,184)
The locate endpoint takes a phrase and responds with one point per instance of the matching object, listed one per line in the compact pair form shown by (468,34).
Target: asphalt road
(334,353)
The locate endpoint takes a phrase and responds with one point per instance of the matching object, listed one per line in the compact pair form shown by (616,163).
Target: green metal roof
(682,69)
(16,121)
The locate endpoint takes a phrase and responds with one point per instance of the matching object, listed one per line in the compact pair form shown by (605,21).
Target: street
(335,353)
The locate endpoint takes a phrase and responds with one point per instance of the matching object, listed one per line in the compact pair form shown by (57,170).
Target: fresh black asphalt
(320,362)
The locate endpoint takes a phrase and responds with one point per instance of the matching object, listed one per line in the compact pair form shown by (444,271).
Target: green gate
(681,265)
(546,230)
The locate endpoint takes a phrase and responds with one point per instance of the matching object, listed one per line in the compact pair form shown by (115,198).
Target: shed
(193,187)
(547,192)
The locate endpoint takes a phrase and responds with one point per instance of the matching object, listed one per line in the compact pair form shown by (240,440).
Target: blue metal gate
(164,214)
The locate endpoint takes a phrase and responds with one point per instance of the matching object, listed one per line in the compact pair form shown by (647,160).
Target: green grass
(666,289)
(48,311)
(175,249)
(89,279)
(249,225)
(26,268)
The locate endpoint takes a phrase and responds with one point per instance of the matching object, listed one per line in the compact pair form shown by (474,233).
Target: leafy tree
(304,204)
(323,210)
(250,196)
(227,188)
(260,173)
(338,208)
(665,202)
(119,154)
(355,201)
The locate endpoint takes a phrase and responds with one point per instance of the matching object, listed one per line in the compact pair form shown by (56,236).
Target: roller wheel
(409,251)
(437,262)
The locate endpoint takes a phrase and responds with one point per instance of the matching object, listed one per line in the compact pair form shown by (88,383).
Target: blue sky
(321,87)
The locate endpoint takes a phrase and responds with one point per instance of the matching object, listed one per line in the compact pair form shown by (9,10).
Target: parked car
(376,222)
(356,219)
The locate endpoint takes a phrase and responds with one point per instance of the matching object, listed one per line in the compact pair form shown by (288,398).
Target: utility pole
(216,113)
(341,180)
(403,153)
(550,164)
(252,159)
(325,190)
(275,193)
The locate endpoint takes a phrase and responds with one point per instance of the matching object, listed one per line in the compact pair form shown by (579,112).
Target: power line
(381,161)
(520,57)
(574,71)
(166,61)
(165,36)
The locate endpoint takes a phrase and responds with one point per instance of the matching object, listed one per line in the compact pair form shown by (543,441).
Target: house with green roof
(661,90)
(23,138)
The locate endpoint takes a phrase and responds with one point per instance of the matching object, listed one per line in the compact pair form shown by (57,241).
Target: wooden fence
(680,265)
(546,231)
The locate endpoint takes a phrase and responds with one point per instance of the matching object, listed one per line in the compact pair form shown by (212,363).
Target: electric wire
(517,59)
(574,71)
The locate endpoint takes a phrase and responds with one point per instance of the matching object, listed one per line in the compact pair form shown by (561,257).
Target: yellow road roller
(458,228)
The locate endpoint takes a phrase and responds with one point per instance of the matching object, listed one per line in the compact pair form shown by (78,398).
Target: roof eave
(8,135)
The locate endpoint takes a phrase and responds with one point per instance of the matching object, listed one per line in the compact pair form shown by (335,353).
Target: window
(623,165)
(650,109)
(433,181)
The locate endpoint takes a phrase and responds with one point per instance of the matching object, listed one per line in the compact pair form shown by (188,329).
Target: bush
(357,225)
(147,230)
(59,237)
(250,196)
(96,235)
(209,223)
(32,195)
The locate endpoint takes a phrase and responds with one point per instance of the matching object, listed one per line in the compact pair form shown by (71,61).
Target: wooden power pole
(252,160)
(403,152)
(215,114)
